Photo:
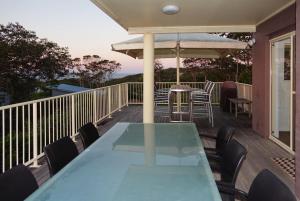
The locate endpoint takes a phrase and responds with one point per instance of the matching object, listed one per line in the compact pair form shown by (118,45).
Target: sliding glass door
(282,91)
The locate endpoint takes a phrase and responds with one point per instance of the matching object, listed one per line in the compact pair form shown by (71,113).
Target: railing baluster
(109,102)
(17,135)
(23,133)
(34,129)
(73,116)
(3,140)
(29,137)
(10,138)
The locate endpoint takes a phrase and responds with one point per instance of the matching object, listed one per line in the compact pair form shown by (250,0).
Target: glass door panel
(281,83)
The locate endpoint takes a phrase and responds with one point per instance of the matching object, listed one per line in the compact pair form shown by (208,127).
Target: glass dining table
(137,162)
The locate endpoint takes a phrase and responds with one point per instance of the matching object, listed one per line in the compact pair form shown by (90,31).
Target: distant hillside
(169,75)
(197,75)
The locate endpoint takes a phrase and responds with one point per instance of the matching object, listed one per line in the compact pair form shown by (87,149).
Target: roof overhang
(145,16)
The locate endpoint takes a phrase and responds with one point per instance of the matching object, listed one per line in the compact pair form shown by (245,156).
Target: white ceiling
(242,15)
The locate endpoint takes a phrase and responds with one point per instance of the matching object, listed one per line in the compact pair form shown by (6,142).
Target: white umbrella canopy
(181,45)
(197,45)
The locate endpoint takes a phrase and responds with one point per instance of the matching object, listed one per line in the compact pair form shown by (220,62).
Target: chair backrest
(17,184)
(267,186)
(88,134)
(233,158)
(206,85)
(210,88)
(60,153)
(224,135)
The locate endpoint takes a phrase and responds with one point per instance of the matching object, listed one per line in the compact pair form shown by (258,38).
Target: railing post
(35,137)
(95,105)
(120,97)
(109,102)
(73,118)
(126,90)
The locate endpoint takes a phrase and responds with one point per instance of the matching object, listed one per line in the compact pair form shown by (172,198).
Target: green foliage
(93,70)
(25,60)
(214,74)
(226,65)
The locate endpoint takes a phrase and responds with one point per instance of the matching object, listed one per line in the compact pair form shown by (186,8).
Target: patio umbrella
(182,45)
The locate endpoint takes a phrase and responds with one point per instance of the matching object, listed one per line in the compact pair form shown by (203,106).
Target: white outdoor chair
(161,97)
(202,102)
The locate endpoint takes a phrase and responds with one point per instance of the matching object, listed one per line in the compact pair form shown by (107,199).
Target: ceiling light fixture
(170,9)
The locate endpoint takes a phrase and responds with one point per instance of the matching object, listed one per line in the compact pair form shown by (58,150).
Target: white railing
(26,128)
(244,91)
(136,90)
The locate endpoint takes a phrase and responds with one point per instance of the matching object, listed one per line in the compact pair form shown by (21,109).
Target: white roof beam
(192,29)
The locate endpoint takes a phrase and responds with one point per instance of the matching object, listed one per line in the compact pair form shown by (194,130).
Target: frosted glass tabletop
(137,162)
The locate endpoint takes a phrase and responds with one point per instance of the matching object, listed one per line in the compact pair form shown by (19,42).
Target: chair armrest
(210,151)
(208,136)
(229,189)
(213,157)
(226,188)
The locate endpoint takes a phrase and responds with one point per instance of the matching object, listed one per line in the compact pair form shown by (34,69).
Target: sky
(77,24)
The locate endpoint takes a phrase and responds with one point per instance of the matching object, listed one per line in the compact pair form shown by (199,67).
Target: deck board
(260,150)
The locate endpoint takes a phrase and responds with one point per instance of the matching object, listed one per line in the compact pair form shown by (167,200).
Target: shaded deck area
(260,150)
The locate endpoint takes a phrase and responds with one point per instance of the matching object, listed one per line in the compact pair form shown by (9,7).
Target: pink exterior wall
(297,124)
(282,23)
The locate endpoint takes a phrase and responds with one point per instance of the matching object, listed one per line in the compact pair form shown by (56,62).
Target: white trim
(213,45)
(291,95)
(276,12)
(284,146)
(192,29)
(282,37)
(140,45)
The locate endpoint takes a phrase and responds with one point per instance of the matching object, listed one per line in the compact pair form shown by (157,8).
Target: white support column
(177,65)
(178,77)
(148,106)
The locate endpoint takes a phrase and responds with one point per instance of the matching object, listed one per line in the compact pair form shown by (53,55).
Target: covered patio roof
(138,16)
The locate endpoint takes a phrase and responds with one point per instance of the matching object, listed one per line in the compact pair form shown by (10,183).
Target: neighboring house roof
(69,88)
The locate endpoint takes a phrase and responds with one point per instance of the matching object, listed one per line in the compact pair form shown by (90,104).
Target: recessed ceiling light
(170,9)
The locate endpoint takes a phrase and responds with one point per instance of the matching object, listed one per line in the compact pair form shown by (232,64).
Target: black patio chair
(265,187)
(231,163)
(17,184)
(224,135)
(60,153)
(88,134)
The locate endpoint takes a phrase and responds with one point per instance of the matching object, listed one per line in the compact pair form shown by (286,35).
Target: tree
(226,63)
(94,70)
(193,65)
(241,56)
(25,60)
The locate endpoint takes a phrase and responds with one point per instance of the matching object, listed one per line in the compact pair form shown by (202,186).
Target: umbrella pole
(237,72)
(178,79)
(178,67)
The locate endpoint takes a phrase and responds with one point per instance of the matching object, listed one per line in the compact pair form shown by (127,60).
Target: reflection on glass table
(137,162)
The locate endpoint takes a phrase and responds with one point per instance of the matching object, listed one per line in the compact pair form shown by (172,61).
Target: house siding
(297,124)
(282,23)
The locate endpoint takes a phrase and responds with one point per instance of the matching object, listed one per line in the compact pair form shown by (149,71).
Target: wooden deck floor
(260,150)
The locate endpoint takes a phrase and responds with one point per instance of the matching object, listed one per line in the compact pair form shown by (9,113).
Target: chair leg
(208,110)
(212,115)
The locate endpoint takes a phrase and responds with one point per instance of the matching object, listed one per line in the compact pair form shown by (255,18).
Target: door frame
(290,36)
